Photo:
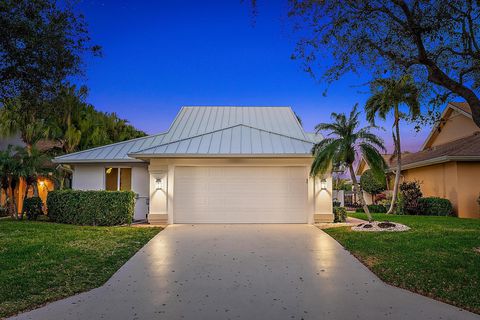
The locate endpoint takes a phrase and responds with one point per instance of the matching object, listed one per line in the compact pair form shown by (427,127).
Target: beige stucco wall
(468,189)
(456,181)
(457,126)
(161,201)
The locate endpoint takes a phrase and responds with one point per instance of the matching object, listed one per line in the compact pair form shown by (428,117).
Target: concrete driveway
(245,272)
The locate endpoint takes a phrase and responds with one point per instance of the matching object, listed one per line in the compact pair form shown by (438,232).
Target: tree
(372,184)
(437,41)
(342,145)
(31,165)
(9,178)
(42,42)
(387,96)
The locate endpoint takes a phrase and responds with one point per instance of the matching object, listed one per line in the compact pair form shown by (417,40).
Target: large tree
(388,95)
(343,143)
(436,40)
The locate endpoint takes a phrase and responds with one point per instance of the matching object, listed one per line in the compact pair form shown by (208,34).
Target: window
(118,179)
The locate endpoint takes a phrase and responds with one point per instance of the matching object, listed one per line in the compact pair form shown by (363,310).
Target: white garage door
(240,195)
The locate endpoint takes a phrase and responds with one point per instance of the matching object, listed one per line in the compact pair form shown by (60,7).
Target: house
(214,165)
(448,163)
(44,183)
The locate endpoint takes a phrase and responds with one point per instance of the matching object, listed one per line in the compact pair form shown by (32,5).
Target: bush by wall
(100,208)
(374,208)
(434,206)
(33,207)
(339,214)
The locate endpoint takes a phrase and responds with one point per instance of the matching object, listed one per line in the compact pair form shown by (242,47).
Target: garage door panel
(240,195)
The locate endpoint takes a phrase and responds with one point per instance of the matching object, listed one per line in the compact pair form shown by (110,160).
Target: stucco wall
(436,181)
(161,201)
(456,127)
(468,189)
(456,181)
(92,177)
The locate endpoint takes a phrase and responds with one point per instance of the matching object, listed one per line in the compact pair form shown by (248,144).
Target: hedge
(339,214)
(434,206)
(374,208)
(96,208)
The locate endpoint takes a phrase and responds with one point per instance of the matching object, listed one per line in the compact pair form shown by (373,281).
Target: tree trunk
(359,193)
(396,184)
(27,187)
(35,188)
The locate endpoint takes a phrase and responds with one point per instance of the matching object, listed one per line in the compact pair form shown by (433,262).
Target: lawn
(436,258)
(42,261)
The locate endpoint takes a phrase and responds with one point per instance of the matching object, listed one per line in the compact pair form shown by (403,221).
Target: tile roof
(467,148)
(213,131)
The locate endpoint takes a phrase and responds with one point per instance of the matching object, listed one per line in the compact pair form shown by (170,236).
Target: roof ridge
(218,130)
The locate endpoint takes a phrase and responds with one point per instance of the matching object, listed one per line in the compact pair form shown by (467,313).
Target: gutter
(436,160)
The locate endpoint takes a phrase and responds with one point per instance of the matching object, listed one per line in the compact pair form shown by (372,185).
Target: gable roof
(464,149)
(461,107)
(211,131)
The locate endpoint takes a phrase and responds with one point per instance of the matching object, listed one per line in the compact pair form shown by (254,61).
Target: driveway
(245,272)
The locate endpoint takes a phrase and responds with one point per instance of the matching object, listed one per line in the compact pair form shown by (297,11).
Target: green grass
(42,261)
(435,258)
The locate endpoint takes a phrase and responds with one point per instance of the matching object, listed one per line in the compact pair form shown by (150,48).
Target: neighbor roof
(212,131)
(464,149)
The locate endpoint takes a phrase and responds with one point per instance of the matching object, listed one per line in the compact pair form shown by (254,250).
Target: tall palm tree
(343,142)
(387,96)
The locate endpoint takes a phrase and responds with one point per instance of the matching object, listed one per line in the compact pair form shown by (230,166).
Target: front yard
(42,262)
(439,257)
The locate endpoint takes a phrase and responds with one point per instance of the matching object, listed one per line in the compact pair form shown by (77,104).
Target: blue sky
(161,55)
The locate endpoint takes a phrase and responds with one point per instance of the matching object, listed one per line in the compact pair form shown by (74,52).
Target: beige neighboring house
(448,164)
(214,165)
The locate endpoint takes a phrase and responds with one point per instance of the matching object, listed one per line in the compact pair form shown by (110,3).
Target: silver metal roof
(210,131)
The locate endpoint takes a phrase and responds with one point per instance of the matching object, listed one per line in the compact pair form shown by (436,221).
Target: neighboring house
(448,164)
(214,165)
(45,184)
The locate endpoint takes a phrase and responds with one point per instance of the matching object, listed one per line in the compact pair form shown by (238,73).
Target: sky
(161,55)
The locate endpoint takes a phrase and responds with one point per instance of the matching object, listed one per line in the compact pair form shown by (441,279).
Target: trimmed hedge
(339,214)
(95,208)
(434,206)
(374,208)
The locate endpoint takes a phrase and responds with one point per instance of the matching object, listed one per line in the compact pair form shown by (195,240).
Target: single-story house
(214,165)
(448,163)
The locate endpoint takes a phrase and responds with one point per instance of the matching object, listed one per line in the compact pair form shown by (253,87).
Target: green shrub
(33,207)
(3,211)
(410,194)
(100,208)
(434,206)
(374,208)
(372,183)
(339,214)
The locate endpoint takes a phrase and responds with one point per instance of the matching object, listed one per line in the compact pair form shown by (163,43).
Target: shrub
(374,208)
(408,200)
(434,206)
(336,203)
(100,208)
(33,207)
(3,211)
(339,214)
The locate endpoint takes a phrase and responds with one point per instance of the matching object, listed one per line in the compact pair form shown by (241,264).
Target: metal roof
(210,131)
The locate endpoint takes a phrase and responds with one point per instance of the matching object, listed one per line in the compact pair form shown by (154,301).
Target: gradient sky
(161,55)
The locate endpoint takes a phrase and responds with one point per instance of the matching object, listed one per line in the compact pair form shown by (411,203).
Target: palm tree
(31,166)
(388,95)
(342,145)
(9,178)
(13,120)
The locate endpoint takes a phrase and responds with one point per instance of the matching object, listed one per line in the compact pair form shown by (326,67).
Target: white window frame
(118,177)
